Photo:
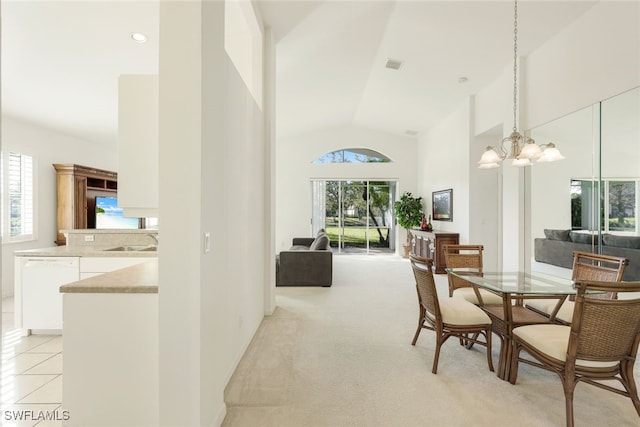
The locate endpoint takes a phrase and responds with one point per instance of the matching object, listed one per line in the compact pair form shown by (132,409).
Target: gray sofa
(558,246)
(309,262)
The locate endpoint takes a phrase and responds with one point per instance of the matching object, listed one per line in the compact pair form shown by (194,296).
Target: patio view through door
(356,214)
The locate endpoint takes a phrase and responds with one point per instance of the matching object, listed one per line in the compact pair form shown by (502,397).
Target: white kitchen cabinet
(92,266)
(38,300)
(138,145)
(114,337)
(111,330)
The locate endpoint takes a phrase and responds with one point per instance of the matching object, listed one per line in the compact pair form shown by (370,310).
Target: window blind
(20,196)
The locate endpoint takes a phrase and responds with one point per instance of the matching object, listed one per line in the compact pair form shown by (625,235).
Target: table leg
(506,352)
(508,356)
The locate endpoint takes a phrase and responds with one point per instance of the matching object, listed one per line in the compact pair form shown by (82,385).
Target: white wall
(180,185)
(485,190)
(295,169)
(212,169)
(443,162)
(269,182)
(595,58)
(47,147)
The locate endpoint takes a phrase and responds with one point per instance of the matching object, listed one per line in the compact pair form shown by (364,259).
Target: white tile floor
(31,382)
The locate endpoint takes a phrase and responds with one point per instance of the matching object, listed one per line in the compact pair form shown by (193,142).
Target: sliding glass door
(357,214)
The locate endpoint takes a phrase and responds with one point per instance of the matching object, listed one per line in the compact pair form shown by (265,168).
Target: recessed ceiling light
(138,37)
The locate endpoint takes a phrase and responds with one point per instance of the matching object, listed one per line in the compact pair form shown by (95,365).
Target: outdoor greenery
(408,211)
(620,213)
(622,198)
(356,213)
(354,236)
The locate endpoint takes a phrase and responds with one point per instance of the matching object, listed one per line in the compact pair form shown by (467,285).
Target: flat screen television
(109,215)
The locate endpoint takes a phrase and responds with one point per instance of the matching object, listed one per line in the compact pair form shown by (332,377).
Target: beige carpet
(342,356)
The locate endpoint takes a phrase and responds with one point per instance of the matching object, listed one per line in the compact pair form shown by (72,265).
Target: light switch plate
(207,242)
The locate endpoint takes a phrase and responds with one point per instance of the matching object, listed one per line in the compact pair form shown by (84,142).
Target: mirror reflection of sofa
(558,245)
(309,262)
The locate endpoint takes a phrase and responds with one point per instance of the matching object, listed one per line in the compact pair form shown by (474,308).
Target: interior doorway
(356,214)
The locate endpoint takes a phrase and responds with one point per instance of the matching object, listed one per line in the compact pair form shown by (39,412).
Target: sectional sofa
(558,245)
(309,262)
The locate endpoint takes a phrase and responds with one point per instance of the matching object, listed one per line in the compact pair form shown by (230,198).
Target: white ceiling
(61,60)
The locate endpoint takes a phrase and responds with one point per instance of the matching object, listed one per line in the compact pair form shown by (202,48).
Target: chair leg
(469,344)
(420,323)
(513,374)
(465,342)
(436,355)
(626,372)
(415,337)
(487,334)
(569,385)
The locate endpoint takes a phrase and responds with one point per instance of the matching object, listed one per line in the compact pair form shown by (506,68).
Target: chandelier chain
(515,66)
(522,149)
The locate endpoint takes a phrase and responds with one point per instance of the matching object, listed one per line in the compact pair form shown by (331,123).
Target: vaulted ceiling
(61,60)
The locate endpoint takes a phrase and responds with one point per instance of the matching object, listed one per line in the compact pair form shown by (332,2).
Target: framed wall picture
(442,203)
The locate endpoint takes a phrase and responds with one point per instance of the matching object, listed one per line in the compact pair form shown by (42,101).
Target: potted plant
(408,212)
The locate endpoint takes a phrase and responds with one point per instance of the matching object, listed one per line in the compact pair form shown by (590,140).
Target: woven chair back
(596,267)
(462,256)
(605,330)
(426,285)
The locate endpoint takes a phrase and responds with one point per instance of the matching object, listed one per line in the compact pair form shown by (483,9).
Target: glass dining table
(514,288)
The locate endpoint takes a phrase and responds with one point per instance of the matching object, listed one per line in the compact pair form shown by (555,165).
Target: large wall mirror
(590,200)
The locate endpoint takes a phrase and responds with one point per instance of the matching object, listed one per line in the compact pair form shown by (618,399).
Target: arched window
(353,155)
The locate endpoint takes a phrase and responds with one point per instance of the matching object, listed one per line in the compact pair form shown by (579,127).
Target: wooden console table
(430,244)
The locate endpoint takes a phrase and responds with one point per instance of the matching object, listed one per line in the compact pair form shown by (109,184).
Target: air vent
(393,64)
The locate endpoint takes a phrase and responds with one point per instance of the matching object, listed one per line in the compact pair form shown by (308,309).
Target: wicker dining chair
(586,266)
(468,257)
(600,344)
(447,317)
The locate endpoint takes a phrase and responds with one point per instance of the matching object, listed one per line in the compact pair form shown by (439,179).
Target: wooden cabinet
(77,188)
(430,244)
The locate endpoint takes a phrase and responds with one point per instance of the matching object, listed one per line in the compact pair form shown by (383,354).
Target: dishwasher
(41,300)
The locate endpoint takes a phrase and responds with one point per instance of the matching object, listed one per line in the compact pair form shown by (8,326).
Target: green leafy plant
(408,211)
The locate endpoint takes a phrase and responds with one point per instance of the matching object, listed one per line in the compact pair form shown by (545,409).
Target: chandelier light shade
(522,150)
(550,154)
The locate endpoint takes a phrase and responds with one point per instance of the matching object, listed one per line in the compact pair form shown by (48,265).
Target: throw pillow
(628,242)
(321,243)
(556,234)
(584,238)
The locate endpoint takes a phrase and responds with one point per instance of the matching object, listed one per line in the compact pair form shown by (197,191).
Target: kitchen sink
(134,248)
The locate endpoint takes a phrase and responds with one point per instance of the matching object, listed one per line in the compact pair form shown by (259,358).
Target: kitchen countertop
(137,279)
(110,231)
(85,251)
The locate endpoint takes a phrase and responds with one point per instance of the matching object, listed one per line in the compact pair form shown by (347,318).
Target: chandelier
(523,150)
